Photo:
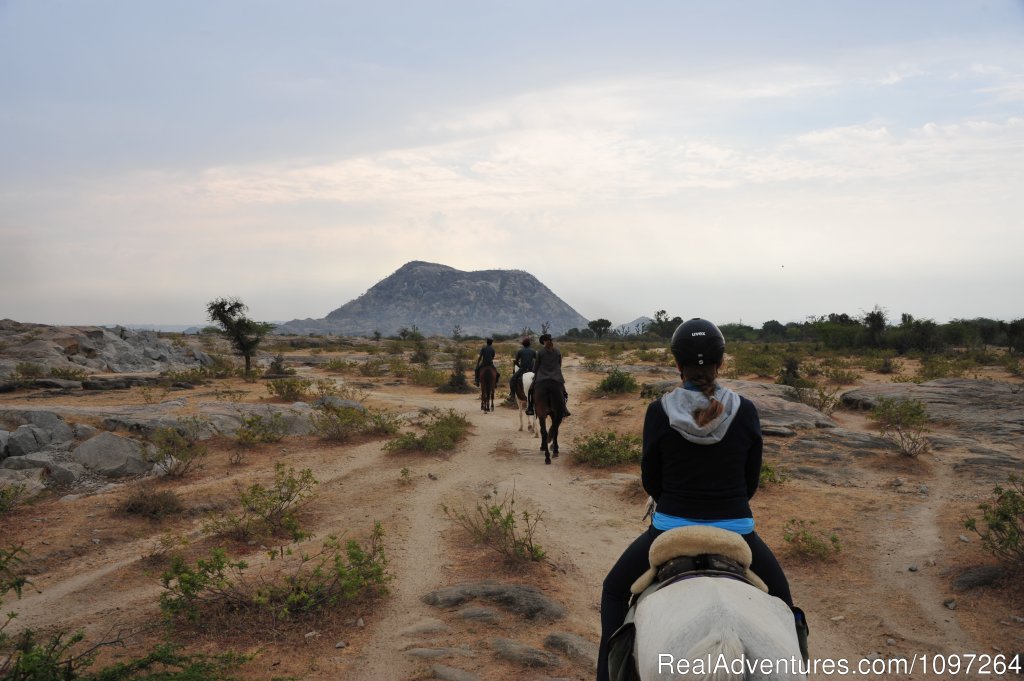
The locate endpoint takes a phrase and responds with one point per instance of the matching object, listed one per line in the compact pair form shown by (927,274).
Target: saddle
(698,549)
(695,550)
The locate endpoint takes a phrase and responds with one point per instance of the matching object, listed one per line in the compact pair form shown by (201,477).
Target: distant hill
(437,299)
(633,328)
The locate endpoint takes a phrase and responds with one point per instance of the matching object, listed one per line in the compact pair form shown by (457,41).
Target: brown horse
(488,379)
(548,402)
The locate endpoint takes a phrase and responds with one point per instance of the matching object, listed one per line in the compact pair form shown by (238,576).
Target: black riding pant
(635,561)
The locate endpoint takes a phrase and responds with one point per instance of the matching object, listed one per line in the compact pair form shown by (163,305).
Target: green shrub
(277,367)
(11,494)
(1003,518)
(373,367)
(939,366)
(442,432)
(339,366)
(820,397)
(601,450)
(290,389)
(218,589)
(497,525)
(337,423)
(840,376)
(770,475)
(617,381)
(660,356)
(69,374)
(29,370)
(260,429)
(179,449)
(807,541)
(269,511)
(427,376)
(151,503)
(902,422)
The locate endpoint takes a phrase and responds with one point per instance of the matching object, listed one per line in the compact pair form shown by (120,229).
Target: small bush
(153,504)
(1003,518)
(617,381)
(902,422)
(69,374)
(11,494)
(659,356)
(269,511)
(339,366)
(277,367)
(337,423)
(939,366)
(179,449)
(770,475)
(290,389)
(601,450)
(497,525)
(427,376)
(29,370)
(373,367)
(806,541)
(443,432)
(260,429)
(820,397)
(218,589)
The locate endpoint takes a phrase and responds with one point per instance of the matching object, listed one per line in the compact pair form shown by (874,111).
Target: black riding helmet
(698,342)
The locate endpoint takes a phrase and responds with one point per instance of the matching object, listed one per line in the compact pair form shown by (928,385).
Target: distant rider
(548,367)
(485,359)
(523,363)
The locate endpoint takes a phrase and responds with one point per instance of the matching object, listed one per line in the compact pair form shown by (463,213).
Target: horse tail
(724,649)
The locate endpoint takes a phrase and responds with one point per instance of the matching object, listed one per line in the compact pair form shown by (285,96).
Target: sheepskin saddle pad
(716,551)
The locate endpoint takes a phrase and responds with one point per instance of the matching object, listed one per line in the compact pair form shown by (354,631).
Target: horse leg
(544,439)
(556,421)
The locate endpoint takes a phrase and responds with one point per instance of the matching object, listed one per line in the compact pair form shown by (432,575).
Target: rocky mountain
(437,299)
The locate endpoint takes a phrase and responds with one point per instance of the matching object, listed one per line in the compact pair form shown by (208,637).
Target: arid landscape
(908,579)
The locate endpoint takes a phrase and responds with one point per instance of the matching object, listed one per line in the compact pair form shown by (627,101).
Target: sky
(741,161)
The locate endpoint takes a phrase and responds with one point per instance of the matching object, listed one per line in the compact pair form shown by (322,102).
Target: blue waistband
(663,521)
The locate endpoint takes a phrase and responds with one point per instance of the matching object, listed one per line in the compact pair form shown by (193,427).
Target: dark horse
(548,401)
(488,379)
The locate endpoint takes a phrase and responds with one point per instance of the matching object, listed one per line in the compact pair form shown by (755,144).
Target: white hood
(680,404)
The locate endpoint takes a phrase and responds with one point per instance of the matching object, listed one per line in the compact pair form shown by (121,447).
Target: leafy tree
(875,322)
(599,327)
(244,333)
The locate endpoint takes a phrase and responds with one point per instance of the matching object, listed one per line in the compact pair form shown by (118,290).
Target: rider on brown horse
(485,359)
(548,367)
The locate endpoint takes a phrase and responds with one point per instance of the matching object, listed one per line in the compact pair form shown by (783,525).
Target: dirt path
(869,595)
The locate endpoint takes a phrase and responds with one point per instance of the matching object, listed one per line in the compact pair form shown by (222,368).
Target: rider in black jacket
(701,463)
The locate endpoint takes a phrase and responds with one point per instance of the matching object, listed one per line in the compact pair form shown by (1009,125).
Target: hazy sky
(741,161)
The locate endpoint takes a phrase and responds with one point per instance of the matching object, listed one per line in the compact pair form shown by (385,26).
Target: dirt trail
(855,604)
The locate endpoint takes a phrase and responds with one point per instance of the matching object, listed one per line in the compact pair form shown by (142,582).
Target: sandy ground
(93,567)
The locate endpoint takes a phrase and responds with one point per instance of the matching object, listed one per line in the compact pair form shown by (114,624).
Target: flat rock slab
(975,577)
(445,673)
(989,410)
(522,599)
(425,627)
(524,655)
(113,456)
(573,646)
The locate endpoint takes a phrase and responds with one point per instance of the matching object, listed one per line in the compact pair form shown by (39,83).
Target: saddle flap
(696,540)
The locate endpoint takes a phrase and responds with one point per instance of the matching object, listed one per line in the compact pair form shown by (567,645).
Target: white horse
(712,626)
(715,628)
(521,403)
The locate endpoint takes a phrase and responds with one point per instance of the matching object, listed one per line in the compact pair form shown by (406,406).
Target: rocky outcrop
(88,349)
(113,456)
(437,299)
(987,410)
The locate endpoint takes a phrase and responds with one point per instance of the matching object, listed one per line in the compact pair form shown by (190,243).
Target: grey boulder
(113,456)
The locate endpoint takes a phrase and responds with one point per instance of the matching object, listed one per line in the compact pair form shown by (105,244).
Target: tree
(245,334)
(599,327)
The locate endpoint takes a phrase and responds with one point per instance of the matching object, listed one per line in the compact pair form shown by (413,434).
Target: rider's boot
(565,405)
(529,404)
(802,630)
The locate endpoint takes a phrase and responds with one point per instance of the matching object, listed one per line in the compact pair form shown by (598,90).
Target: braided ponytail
(704,378)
